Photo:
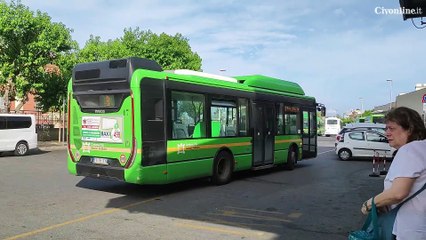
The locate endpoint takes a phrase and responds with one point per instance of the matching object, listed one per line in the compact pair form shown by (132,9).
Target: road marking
(295,215)
(106,212)
(239,216)
(246,213)
(241,233)
(249,225)
(332,150)
(249,216)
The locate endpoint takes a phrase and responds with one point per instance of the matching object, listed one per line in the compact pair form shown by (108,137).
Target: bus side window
(243,117)
(199,130)
(179,130)
(153,109)
(291,120)
(187,115)
(216,129)
(280,119)
(223,118)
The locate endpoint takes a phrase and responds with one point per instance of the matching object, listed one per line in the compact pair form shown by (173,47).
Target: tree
(52,94)
(96,50)
(171,52)
(28,42)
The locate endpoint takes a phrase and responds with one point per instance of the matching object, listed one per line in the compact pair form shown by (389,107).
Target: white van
(332,126)
(17,133)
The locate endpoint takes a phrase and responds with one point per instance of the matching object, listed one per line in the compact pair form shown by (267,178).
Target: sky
(340,52)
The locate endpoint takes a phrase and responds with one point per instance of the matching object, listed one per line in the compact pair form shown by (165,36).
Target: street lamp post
(362,104)
(390,93)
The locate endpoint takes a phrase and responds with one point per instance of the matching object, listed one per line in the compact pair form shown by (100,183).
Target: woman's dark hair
(409,120)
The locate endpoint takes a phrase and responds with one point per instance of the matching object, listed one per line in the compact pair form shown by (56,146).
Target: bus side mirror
(321,108)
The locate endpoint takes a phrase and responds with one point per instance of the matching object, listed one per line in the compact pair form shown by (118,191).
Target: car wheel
(21,149)
(291,159)
(222,168)
(344,154)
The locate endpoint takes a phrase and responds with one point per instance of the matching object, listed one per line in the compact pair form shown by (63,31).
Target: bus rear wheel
(291,159)
(21,149)
(222,168)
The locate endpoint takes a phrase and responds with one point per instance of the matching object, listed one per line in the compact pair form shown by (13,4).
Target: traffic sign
(424,98)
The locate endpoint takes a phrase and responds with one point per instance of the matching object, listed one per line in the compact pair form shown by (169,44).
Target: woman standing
(406,132)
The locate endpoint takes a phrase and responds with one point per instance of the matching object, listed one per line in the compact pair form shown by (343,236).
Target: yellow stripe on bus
(288,140)
(196,147)
(106,149)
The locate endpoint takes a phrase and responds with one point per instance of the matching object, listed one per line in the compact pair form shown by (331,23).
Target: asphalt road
(320,199)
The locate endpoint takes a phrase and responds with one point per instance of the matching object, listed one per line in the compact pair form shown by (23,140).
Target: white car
(17,133)
(363,143)
(379,127)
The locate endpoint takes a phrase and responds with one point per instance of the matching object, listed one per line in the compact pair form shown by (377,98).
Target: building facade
(413,100)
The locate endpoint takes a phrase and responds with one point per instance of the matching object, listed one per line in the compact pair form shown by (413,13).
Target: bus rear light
(123,159)
(69,128)
(134,143)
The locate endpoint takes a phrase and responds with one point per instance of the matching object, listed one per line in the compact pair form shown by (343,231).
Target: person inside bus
(406,132)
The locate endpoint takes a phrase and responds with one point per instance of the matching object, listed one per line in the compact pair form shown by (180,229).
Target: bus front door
(309,134)
(263,135)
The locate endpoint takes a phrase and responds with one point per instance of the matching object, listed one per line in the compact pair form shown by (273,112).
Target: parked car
(17,133)
(379,127)
(363,143)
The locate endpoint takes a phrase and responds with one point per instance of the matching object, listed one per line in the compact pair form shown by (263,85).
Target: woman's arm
(398,191)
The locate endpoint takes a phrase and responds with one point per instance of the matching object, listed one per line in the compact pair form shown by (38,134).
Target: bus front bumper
(104,172)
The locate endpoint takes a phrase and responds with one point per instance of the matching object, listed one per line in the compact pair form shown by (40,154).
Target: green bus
(372,118)
(360,120)
(375,118)
(131,121)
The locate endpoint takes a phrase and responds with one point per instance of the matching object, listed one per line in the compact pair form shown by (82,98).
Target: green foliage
(52,95)
(367,113)
(28,42)
(171,52)
(347,121)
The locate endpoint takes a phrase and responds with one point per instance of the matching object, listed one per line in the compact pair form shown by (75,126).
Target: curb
(49,146)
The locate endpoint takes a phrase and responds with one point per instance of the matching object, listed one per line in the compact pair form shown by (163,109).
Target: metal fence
(51,126)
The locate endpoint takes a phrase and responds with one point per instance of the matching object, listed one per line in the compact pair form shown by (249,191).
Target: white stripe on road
(332,150)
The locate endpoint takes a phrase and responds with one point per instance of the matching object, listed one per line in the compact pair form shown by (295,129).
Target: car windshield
(343,130)
(380,130)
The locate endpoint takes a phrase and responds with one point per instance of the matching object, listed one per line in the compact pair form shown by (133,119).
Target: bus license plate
(100,161)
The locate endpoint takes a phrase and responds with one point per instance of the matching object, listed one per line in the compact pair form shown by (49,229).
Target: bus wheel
(21,149)
(222,168)
(291,159)
(344,154)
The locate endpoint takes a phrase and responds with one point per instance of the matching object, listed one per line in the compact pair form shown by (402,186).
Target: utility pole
(390,93)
